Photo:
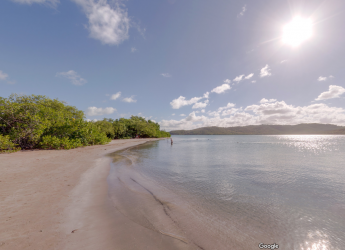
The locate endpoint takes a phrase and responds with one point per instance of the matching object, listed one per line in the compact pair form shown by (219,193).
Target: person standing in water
(171,141)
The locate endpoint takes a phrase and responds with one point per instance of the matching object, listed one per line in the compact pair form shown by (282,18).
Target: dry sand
(57,199)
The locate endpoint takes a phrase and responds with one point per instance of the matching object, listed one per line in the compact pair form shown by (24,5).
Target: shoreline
(58,199)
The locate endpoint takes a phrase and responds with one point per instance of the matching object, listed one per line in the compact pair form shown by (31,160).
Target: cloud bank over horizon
(268,111)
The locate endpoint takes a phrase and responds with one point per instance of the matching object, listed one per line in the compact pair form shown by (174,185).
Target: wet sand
(58,199)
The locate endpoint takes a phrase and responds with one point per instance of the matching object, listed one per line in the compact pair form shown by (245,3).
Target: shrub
(52,142)
(39,122)
(6,145)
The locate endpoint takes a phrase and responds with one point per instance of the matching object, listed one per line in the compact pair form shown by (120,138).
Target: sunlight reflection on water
(287,188)
(312,143)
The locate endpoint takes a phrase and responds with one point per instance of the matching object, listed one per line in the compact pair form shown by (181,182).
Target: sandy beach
(57,199)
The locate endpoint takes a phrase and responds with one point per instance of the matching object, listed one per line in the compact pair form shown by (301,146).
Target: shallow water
(234,192)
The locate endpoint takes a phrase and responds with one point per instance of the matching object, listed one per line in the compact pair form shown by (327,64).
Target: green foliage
(39,122)
(130,128)
(6,145)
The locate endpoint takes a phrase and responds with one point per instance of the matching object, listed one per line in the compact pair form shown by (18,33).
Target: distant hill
(300,129)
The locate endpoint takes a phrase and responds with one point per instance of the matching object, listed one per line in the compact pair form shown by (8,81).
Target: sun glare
(297,31)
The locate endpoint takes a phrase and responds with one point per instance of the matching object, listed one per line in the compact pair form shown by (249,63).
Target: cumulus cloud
(254,81)
(334,91)
(94,111)
(182,115)
(271,108)
(249,76)
(229,108)
(73,76)
(3,75)
(229,105)
(52,3)
(200,105)
(221,88)
(238,78)
(264,113)
(181,101)
(227,81)
(264,100)
(206,95)
(324,78)
(203,111)
(115,96)
(244,9)
(166,75)
(129,99)
(108,24)
(265,71)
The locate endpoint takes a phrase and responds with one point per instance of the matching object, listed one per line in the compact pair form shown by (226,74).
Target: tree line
(30,122)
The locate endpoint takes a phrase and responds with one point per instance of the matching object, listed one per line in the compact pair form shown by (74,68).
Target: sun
(297,31)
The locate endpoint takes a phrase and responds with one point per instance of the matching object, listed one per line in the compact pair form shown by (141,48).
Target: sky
(182,63)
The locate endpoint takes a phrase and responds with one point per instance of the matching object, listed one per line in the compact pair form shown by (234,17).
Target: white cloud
(221,88)
(249,76)
(265,113)
(52,3)
(283,61)
(333,92)
(229,105)
(229,108)
(166,75)
(265,71)
(94,111)
(254,81)
(182,115)
(181,101)
(200,105)
(3,75)
(324,78)
(206,95)
(173,114)
(238,78)
(133,49)
(203,111)
(244,9)
(115,96)
(271,108)
(227,81)
(264,100)
(73,76)
(108,24)
(230,111)
(129,99)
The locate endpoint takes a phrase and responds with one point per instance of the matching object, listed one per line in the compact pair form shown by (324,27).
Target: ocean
(236,191)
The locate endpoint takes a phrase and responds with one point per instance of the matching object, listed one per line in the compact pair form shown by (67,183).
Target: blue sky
(182,63)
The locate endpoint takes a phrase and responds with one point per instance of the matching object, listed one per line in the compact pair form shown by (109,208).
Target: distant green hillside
(300,129)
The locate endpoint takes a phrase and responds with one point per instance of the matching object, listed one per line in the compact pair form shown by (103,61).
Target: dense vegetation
(35,121)
(311,128)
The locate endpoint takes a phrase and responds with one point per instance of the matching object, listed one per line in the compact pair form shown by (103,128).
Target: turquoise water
(234,192)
